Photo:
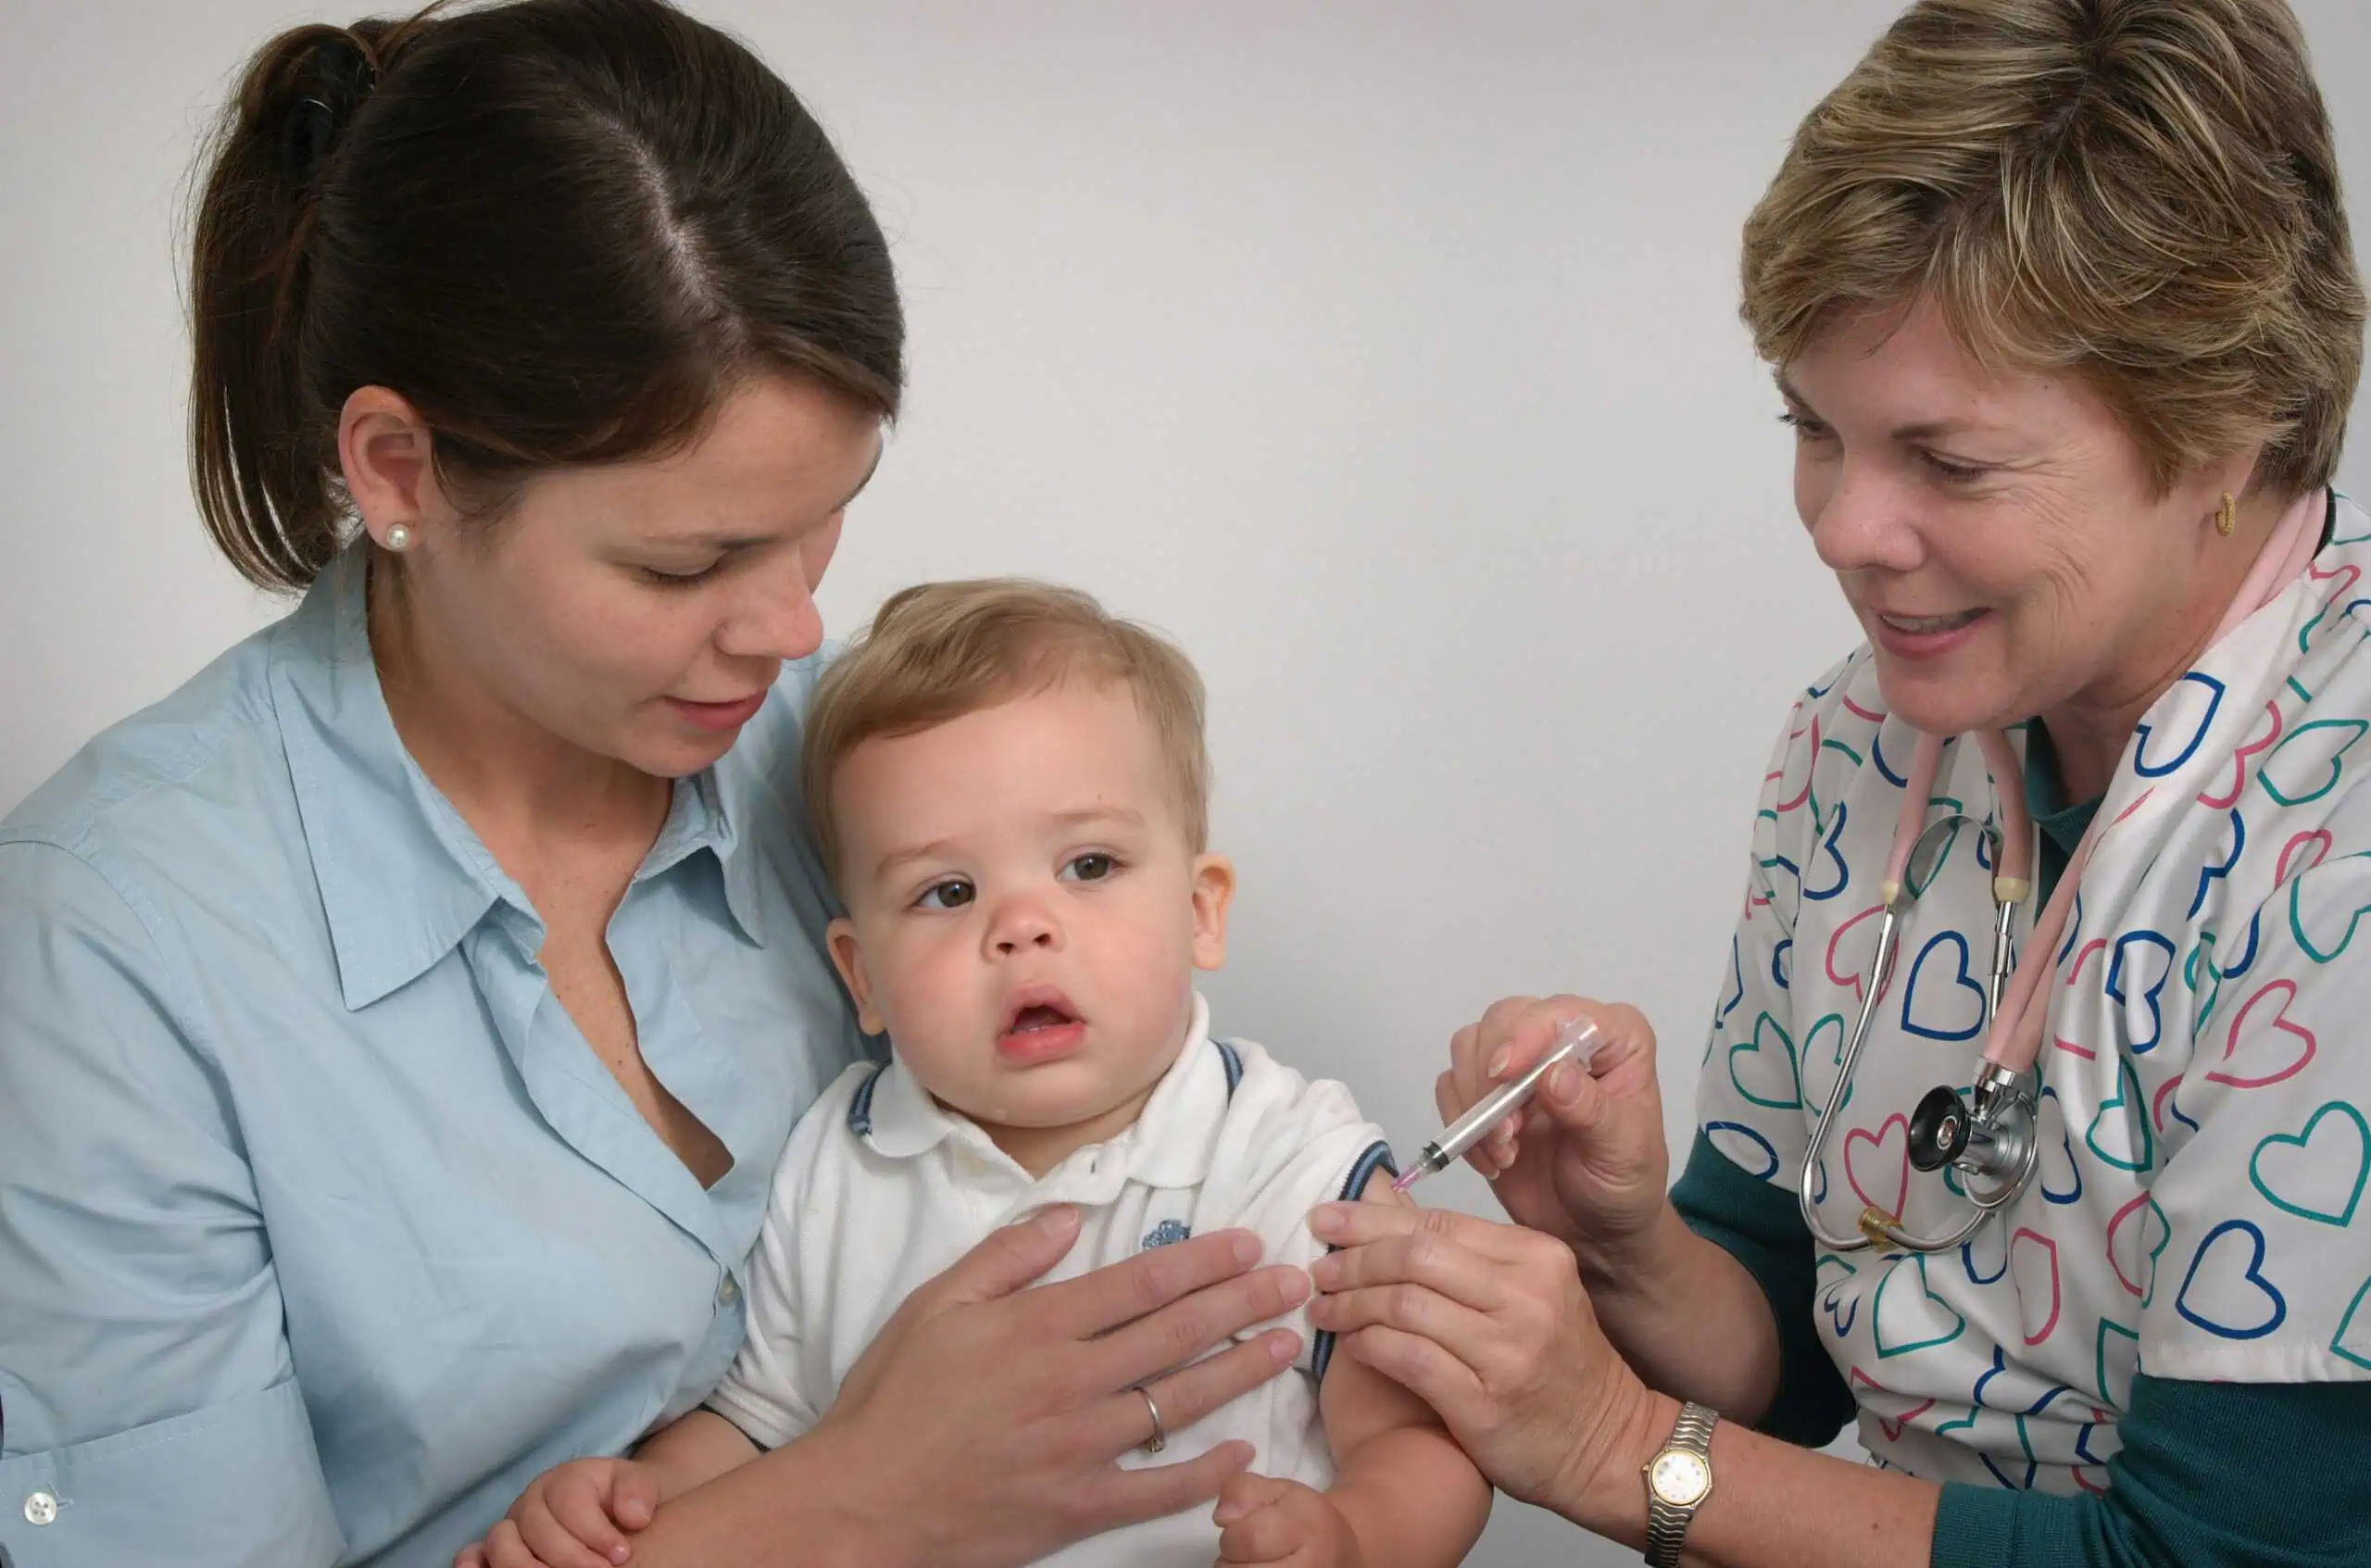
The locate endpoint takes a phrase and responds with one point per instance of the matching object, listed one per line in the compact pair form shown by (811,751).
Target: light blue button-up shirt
(323,1231)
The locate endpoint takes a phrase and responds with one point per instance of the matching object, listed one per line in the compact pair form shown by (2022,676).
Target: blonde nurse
(2063,314)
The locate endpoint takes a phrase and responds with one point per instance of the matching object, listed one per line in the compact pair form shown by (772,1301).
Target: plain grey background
(1383,352)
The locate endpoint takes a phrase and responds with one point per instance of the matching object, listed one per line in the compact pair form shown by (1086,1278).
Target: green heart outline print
(1753,1044)
(2302,1138)
(1878,1312)
(2128,1092)
(2306,943)
(2337,760)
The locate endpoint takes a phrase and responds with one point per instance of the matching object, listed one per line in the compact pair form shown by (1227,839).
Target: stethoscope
(1987,1137)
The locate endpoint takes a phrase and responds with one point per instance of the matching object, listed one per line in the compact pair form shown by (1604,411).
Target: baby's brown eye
(952,893)
(1091,868)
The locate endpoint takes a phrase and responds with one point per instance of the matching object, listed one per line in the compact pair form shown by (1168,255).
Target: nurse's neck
(2086,747)
(2090,730)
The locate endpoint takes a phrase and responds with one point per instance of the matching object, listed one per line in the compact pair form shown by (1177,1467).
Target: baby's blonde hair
(940,650)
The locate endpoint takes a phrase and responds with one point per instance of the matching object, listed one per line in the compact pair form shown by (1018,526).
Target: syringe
(1577,1042)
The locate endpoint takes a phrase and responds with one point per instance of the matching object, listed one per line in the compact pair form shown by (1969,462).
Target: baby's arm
(581,1514)
(1412,1497)
(1404,1494)
(693,1451)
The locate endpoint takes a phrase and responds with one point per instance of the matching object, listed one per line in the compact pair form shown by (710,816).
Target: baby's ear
(848,957)
(1213,891)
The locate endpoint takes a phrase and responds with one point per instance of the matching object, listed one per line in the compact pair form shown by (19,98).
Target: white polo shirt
(881,1190)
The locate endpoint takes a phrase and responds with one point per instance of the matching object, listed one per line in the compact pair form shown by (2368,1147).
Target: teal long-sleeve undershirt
(2220,1473)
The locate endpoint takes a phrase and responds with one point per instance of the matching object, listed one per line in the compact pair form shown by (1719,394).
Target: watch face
(1679,1478)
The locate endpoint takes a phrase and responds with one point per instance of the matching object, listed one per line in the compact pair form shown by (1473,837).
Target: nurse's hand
(1584,1162)
(1489,1324)
(986,1417)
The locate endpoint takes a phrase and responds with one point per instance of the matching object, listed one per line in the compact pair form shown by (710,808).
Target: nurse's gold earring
(398,537)
(2227,517)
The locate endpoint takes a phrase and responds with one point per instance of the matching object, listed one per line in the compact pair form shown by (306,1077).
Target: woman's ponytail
(563,231)
(260,443)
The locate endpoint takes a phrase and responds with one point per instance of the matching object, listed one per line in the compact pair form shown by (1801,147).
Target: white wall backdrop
(1384,352)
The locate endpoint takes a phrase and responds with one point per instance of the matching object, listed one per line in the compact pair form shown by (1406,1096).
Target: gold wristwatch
(1678,1480)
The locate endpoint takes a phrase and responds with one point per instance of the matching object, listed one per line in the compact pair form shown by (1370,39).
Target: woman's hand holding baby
(1487,1323)
(1007,1406)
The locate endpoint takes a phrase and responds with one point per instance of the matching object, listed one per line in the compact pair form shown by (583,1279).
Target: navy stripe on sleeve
(1363,1171)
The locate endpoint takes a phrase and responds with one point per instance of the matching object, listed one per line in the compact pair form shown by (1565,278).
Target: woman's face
(640,611)
(1996,533)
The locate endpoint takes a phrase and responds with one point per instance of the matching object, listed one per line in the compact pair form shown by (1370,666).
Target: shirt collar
(1167,1146)
(402,877)
(701,818)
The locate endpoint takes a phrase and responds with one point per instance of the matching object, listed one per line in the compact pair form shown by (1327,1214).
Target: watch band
(1667,1521)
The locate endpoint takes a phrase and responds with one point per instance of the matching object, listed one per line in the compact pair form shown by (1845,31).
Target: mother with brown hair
(2066,320)
(400,1023)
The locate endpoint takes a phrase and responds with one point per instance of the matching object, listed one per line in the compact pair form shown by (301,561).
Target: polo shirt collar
(1169,1146)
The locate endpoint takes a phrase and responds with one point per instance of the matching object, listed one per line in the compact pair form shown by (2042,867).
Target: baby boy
(1010,787)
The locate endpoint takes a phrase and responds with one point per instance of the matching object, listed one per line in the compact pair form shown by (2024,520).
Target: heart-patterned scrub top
(2197,1217)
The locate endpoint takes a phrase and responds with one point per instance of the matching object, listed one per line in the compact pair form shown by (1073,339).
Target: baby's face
(1024,913)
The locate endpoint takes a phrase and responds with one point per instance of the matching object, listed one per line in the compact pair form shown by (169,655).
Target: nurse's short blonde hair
(940,650)
(2139,192)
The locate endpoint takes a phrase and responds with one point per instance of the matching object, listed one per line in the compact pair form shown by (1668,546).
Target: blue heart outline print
(1910,993)
(1843,876)
(2252,1274)
(1769,1153)
(2213,873)
(2152,995)
(2144,732)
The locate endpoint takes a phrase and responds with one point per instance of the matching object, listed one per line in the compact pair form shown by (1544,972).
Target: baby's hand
(573,1515)
(1270,1521)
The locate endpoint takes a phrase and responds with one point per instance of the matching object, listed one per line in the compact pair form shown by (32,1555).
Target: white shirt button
(727,1293)
(40,1509)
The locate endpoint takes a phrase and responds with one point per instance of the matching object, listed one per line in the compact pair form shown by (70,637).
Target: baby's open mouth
(1032,1008)
(1040,1026)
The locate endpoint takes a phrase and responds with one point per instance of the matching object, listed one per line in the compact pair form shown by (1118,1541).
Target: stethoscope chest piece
(1990,1142)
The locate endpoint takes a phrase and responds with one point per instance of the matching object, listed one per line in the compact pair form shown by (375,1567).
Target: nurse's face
(639,611)
(1996,533)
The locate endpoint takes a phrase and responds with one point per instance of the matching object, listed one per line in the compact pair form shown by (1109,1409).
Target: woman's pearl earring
(399,538)
(2226,516)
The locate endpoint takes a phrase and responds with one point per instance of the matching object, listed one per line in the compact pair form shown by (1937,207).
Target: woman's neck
(519,787)
(2089,742)
(2091,729)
